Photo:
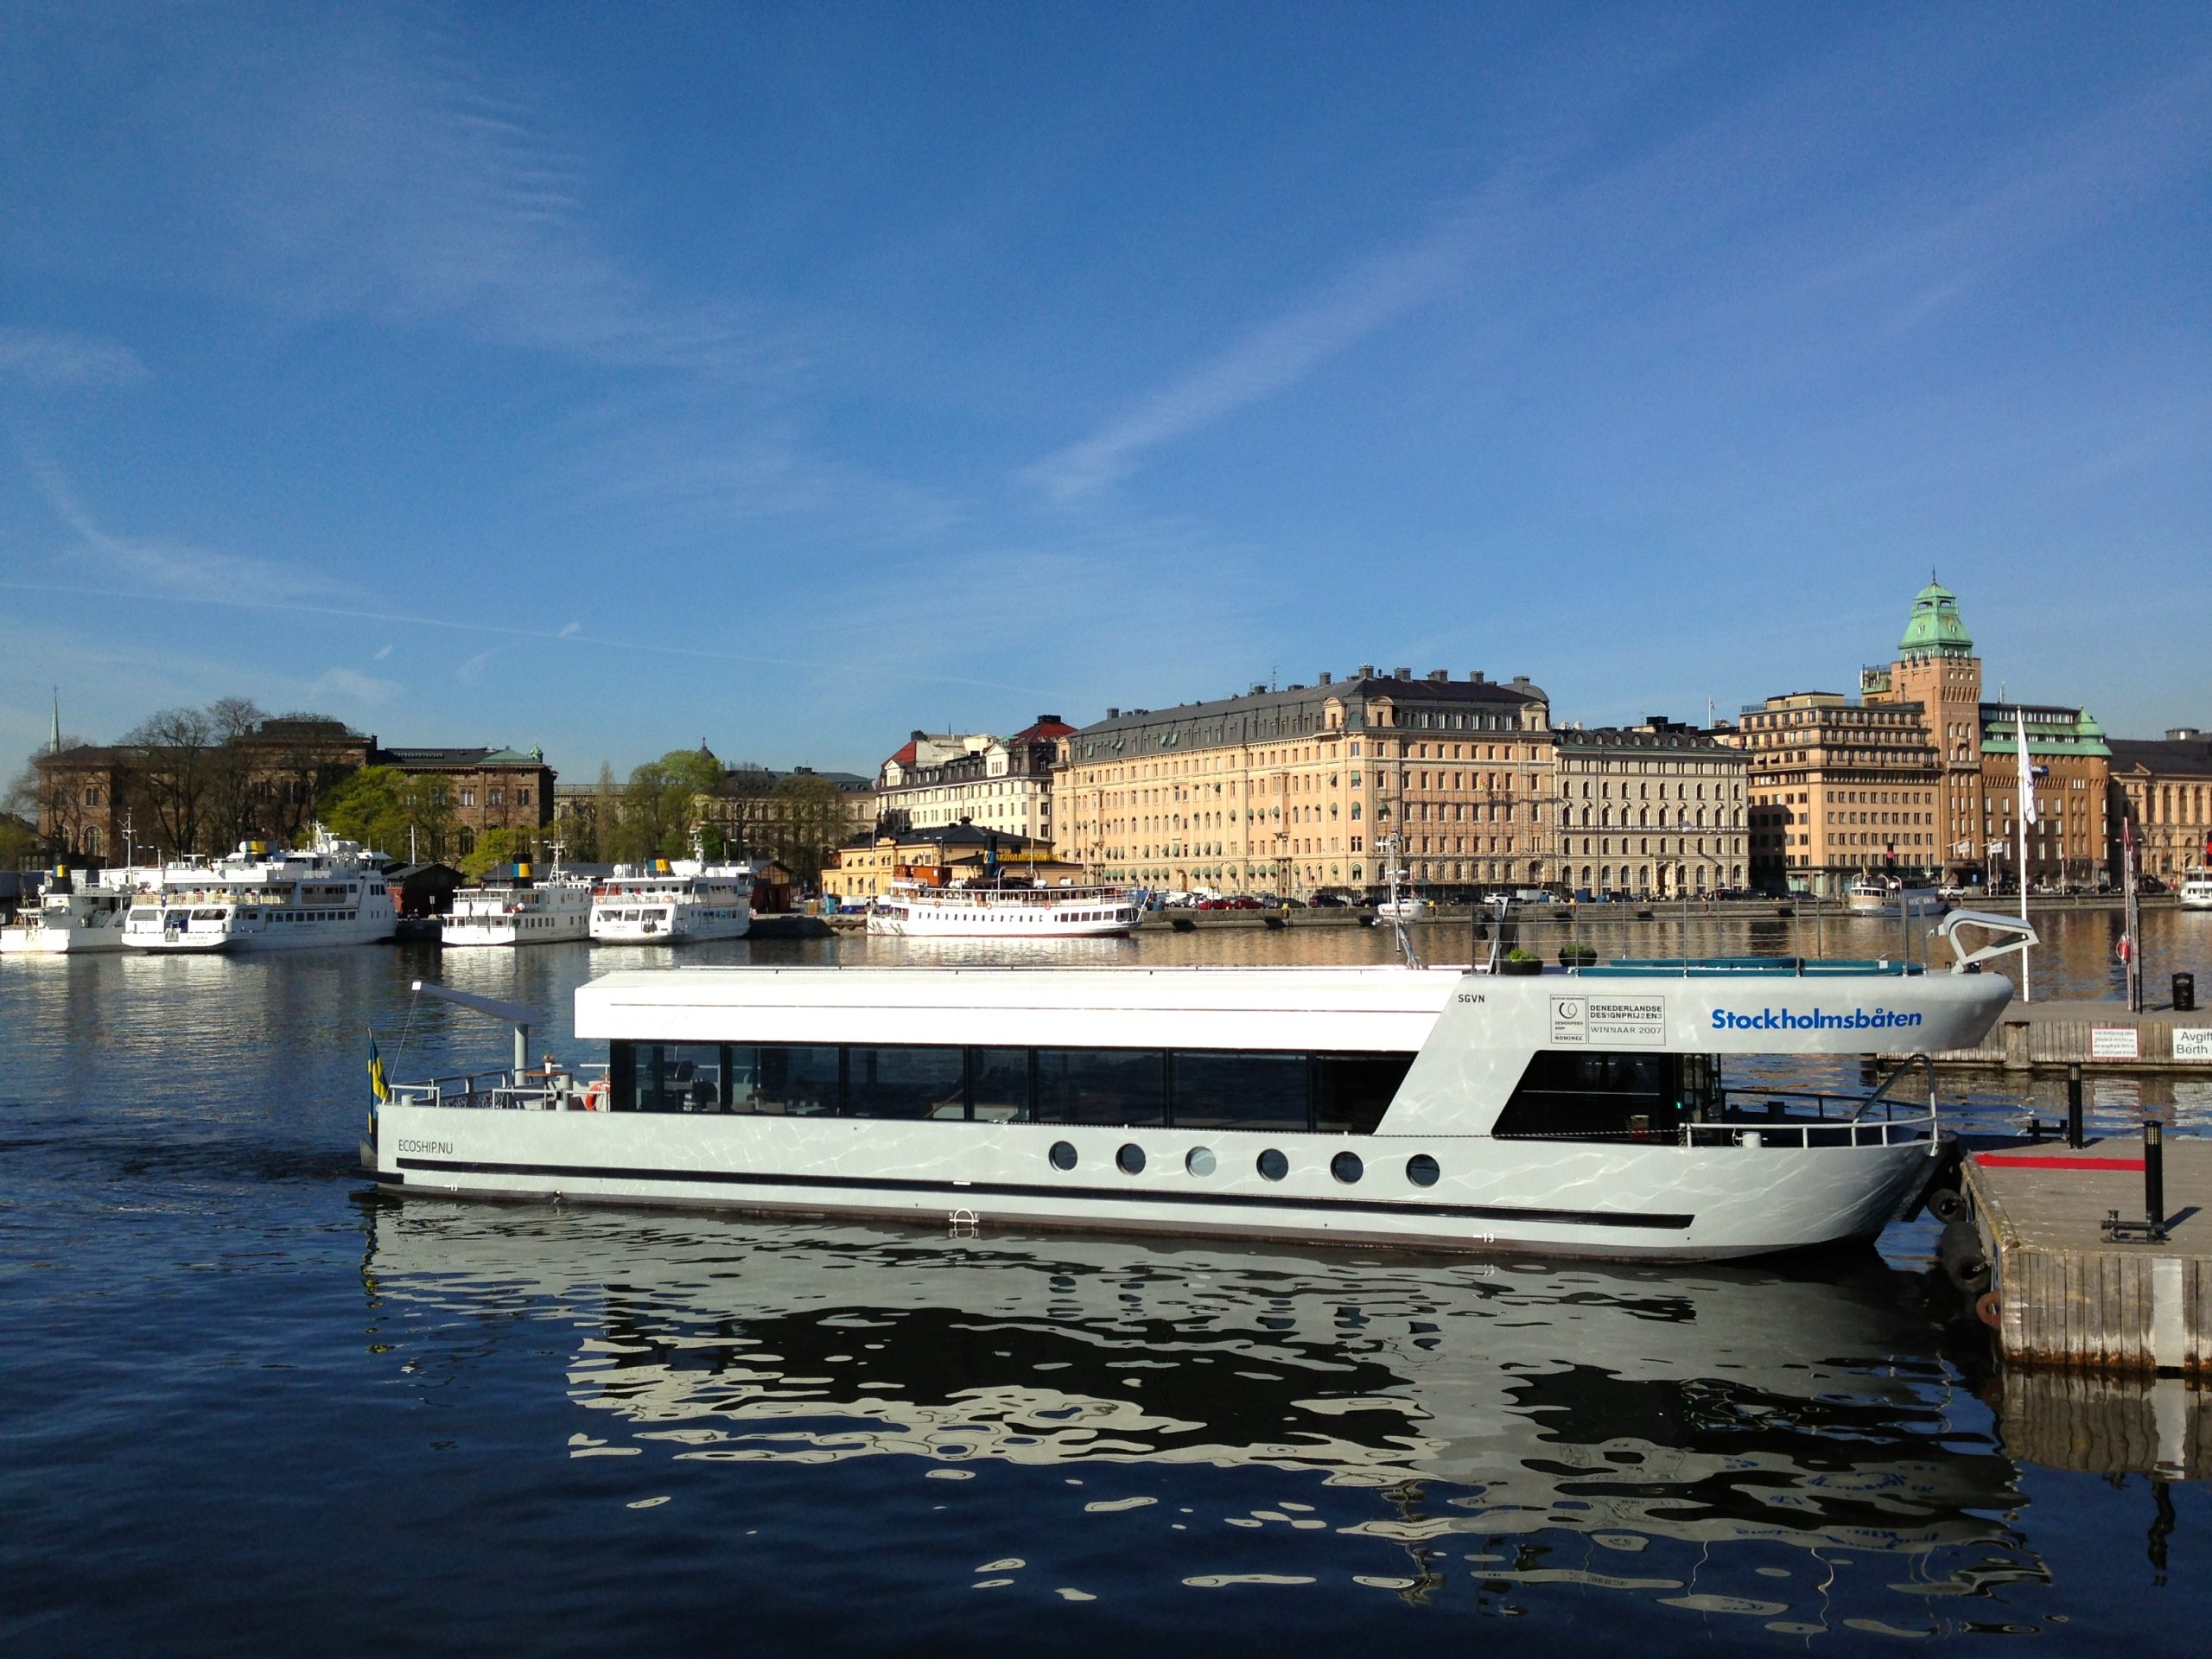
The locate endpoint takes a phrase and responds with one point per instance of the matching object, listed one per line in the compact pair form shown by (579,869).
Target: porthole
(1131,1158)
(1273,1164)
(1346,1167)
(1421,1170)
(1063,1155)
(1199,1160)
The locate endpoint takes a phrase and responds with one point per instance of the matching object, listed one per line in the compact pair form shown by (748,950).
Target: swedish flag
(379,1087)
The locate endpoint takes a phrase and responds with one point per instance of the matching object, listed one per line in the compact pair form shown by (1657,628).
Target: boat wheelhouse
(74,915)
(257,898)
(1570,1112)
(914,910)
(2196,889)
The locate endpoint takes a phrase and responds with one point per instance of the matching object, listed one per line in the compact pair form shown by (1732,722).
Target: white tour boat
(1561,1112)
(2196,888)
(257,898)
(684,902)
(1869,896)
(74,915)
(914,910)
(520,910)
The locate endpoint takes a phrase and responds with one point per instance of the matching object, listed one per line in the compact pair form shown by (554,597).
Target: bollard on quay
(2074,1106)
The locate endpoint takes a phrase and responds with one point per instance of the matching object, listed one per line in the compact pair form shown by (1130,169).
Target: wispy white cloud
(151,565)
(571,631)
(379,655)
(48,360)
(351,687)
(473,669)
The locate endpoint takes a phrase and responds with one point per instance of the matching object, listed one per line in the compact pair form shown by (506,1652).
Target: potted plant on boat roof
(1577,956)
(1518,961)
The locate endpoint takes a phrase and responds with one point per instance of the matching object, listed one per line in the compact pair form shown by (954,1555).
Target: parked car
(1327,901)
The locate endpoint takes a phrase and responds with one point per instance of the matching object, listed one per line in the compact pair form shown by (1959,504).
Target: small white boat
(258,900)
(1869,896)
(74,916)
(681,902)
(2196,889)
(914,911)
(520,910)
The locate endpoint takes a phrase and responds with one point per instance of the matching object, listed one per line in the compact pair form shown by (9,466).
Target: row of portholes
(1420,1169)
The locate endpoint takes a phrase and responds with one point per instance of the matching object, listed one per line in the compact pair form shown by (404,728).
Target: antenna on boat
(1397,911)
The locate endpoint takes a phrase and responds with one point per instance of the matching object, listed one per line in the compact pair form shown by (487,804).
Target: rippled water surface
(247,1406)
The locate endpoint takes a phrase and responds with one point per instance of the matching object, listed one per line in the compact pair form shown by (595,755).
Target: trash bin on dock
(2184,992)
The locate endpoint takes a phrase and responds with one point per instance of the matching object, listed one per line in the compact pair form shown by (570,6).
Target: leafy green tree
(378,806)
(496,848)
(662,804)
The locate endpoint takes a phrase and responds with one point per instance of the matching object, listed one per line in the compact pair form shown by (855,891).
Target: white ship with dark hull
(75,915)
(1567,1112)
(257,898)
(518,911)
(1871,898)
(681,902)
(2196,889)
(914,911)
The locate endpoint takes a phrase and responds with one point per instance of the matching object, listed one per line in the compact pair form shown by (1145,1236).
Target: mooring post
(2074,1106)
(2154,1177)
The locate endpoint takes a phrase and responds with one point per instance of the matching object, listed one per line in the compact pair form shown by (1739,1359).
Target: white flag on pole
(2027,772)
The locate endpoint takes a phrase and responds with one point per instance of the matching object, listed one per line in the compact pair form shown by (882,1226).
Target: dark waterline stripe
(1114,1195)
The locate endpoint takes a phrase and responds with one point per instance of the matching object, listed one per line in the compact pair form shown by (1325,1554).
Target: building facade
(869,863)
(1838,790)
(1657,809)
(1002,783)
(2165,785)
(1937,673)
(1299,789)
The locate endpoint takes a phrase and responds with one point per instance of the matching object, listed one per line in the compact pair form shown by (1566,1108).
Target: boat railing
(532,1090)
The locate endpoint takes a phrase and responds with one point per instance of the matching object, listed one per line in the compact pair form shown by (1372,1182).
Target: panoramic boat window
(998,1083)
(1242,1091)
(1570,1096)
(1100,1085)
(793,1080)
(906,1082)
(1352,1091)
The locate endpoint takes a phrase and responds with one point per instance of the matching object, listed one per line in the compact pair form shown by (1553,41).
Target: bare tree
(234,790)
(172,758)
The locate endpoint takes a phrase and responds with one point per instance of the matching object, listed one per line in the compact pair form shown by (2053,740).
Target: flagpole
(2027,816)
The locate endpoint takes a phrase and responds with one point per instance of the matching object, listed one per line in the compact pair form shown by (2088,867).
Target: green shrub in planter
(1577,956)
(1518,961)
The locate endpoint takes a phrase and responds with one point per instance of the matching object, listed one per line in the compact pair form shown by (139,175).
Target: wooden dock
(2034,1037)
(2061,1295)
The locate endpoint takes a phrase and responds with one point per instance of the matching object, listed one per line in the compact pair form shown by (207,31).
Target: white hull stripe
(1020,1189)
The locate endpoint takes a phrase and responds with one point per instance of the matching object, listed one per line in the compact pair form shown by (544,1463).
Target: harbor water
(250,1406)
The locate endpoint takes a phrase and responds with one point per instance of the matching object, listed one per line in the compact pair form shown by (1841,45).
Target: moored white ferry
(1873,897)
(2196,889)
(258,900)
(1564,1112)
(75,914)
(680,903)
(519,910)
(915,911)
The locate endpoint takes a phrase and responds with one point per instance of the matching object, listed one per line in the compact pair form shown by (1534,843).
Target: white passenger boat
(258,900)
(1561,1112)
(915,911)
(683,902)
(1876,898)
(520,910)
(2196,889)
(74,915)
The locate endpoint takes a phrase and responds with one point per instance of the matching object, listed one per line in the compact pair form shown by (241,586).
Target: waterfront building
(1938,674)
(1002,783)
(2165,785)
(760,809)
(866,865)
(1294,789)
(483,788)
(1655,809)
(1838,790)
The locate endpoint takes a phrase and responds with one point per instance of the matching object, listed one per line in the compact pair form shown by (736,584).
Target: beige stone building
(2166,786)
(1938,674)
(1294,790)
(1003,783)
(1656,808)
(869,864)
(1839,790)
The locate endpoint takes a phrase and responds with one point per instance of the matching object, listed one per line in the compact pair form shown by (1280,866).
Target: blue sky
(608,378)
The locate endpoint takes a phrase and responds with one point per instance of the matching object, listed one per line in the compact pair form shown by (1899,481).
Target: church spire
(54,746)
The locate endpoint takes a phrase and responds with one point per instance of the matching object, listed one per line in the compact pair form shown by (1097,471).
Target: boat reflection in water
(1549,1425)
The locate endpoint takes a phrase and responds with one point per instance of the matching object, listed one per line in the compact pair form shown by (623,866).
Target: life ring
(595,1096)
(1988,1309)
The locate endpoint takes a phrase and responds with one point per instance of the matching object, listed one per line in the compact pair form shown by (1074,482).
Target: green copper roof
(1936,629)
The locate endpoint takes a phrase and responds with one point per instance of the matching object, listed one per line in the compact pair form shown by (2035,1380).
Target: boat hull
(463,935)
(1492,1198)
(59,942)
(684,930)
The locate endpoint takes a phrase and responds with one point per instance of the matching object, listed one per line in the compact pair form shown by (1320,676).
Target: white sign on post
(2115,1043)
